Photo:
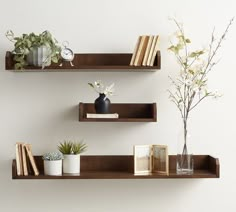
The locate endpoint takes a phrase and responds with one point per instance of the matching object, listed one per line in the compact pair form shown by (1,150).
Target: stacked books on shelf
(25,163)
(103,116)
(145,50)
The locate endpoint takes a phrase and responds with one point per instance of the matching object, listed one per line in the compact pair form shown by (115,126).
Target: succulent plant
(72,147)
(53,156)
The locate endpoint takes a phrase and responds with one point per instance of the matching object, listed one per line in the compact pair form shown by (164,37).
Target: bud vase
(102,104)
(184,159)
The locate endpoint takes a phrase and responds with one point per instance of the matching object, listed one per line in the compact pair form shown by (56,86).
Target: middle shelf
(128,112)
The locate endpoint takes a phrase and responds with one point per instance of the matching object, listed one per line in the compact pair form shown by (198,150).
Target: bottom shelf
(122,167)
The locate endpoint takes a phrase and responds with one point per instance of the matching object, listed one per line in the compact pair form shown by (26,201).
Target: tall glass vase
(184,159)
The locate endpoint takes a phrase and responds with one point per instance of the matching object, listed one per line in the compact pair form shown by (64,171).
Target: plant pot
(71,164)
(39,56)
(102,104)
(53,167)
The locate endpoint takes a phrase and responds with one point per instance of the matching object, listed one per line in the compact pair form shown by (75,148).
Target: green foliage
(26,42)
(70,147)
(53,156)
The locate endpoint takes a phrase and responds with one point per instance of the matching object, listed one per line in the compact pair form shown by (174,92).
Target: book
(135,51)
(151,50)
(154,53)
(110,115)
(19,169)
(144,63)
(151,159)
(141,50)
(24,162)
(31,158)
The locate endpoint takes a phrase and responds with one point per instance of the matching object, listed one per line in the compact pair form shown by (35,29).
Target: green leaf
(91,84)
(187,40)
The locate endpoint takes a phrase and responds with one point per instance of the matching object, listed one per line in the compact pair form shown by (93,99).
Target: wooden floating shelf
(127,112)
(122,167)
(90,62)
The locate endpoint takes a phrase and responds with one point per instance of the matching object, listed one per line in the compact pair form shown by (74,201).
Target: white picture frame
(142,159)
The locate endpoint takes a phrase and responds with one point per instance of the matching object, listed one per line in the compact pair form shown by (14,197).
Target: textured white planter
(52,167)
(39,56)
(71,164)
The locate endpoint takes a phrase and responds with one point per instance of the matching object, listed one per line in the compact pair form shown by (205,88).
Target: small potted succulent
(32,49)
(52,162)
(102,103)
(71,151)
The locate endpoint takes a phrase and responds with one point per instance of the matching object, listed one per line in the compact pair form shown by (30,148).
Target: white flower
(216,94)
(99,87)
(188,82)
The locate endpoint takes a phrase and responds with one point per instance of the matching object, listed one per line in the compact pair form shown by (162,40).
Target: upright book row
(25,163)
(145,50)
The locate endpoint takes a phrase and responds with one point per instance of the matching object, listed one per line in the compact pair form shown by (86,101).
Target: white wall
(41,108)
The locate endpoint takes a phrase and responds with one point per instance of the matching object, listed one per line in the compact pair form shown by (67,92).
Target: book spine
(151,51)
(32,161)
(25,170)
(141,50)
(147,50)
(156,47)
(135,51)
(18,167)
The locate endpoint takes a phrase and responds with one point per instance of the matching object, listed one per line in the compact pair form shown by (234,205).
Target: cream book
(135,51)
(141,50)
(19,167)
(105,116)
(151,50)
(23,151)
(31,158)
(147,50)
(154,53)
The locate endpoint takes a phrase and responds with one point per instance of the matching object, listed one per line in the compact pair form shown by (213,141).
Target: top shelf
(90,62)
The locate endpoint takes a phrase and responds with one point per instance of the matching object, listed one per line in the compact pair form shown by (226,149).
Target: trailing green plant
(72,147)
(26,42)
(53,156)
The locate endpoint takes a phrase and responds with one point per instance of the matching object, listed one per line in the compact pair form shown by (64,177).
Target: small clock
(66,53)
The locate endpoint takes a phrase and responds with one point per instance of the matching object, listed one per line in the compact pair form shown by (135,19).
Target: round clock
(66,53)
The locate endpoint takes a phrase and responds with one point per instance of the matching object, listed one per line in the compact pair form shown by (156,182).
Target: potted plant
(52,162)
(102,103)
(71,151)
(32,49)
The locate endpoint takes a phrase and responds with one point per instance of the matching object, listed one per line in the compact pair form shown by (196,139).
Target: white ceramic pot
(71,164)
(39,56)
(52,167)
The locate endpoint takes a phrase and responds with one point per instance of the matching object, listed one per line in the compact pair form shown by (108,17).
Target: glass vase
(184,158)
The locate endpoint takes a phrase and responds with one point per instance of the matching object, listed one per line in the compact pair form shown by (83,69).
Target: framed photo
(142,159)
(160,159)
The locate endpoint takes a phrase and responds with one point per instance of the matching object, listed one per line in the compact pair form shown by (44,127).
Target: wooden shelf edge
(110,64)
(210,169)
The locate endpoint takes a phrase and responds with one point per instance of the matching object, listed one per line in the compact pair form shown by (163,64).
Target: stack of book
(25,163)
(145,50)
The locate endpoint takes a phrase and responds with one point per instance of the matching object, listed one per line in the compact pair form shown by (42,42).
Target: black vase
(102,104)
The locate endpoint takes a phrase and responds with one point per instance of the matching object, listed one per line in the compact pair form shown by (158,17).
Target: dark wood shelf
(90,62)
(127,112)
(122,167)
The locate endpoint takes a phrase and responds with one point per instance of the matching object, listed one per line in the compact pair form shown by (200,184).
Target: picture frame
(160,159)
(142,159)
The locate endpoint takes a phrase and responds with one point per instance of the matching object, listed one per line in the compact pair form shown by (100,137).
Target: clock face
(67,54)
